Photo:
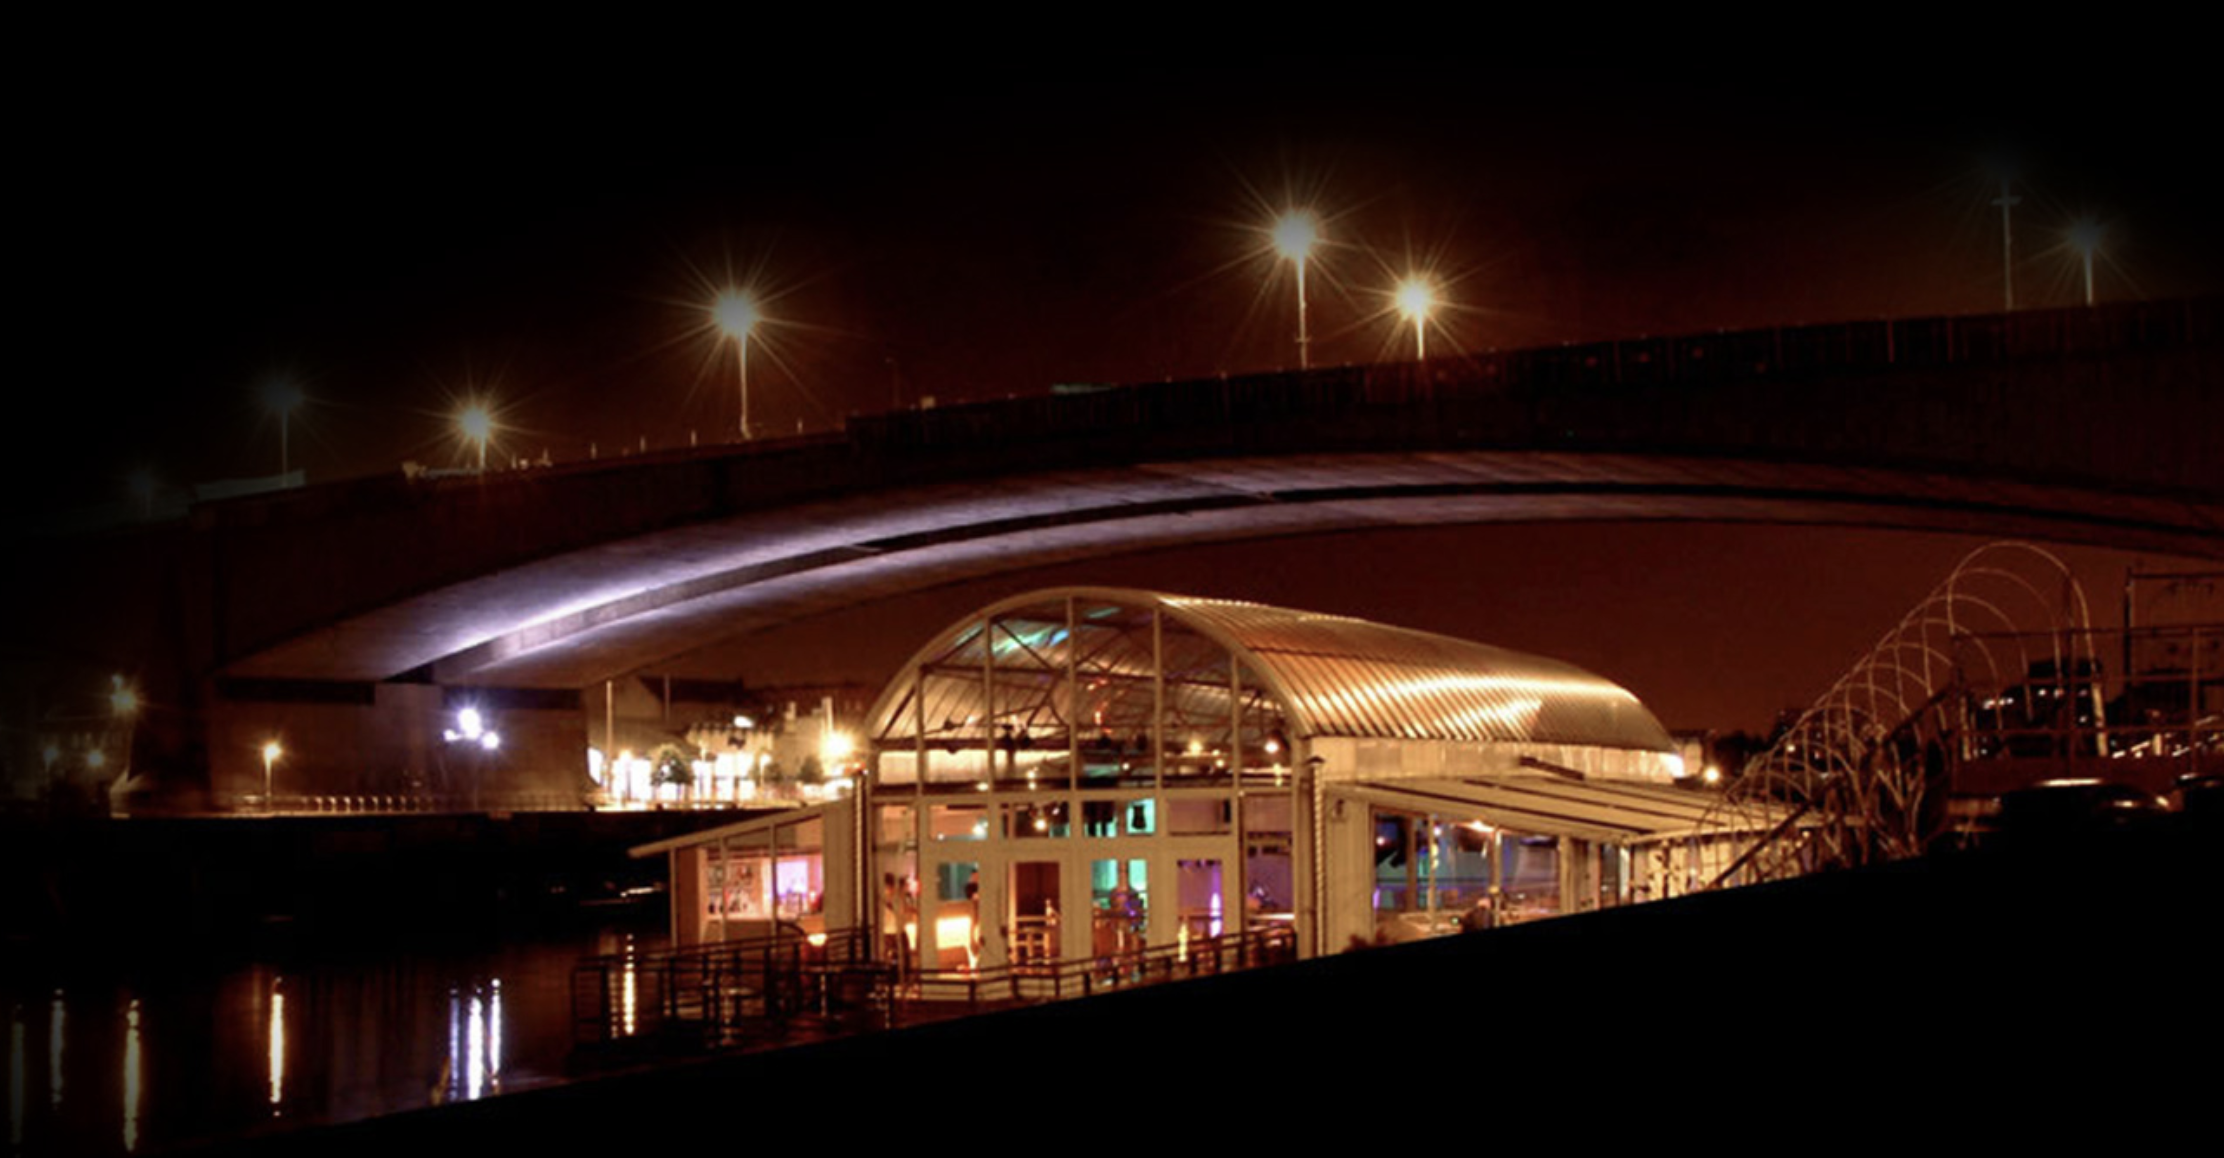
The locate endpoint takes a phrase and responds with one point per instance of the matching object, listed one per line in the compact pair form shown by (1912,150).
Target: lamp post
(283,397)
(2085,238)
(477,425)
(271,752)
(2007,201)
(1415,300)
(123,706)
(735,314)
(1295,234)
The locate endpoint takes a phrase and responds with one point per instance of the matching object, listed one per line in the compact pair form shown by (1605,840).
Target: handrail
(726,993)
(1028,981)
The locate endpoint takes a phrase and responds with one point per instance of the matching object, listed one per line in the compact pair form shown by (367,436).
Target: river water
(138,1056)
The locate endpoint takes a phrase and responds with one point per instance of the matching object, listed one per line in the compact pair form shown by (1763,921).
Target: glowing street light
(1415,300)
(123,699)
(283,397)
(271,752)
(476,423)
(735,314)
(2085,238)
(1295,235)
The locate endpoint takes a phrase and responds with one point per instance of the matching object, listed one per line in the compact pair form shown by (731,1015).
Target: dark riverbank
(1990,994)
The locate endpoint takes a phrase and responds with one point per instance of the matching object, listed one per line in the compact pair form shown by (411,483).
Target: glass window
(1199,895)
(1267,813)
(957,924)
(895,825)
(1120,893)
(1270,888)
(1100,818)
(960,821)
(1037,820)
(1198,817)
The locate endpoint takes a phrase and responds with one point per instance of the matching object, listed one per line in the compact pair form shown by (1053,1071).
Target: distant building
(669,739)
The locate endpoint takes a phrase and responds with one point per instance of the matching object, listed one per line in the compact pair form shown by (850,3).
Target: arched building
(1079,771)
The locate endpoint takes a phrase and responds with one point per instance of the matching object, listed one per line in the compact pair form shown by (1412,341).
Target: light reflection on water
(277,1046)
(54,1048)
(17,1061)
(132,1070)
(172,1058)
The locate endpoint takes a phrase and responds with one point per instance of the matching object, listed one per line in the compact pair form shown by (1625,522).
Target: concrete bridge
(2092,425)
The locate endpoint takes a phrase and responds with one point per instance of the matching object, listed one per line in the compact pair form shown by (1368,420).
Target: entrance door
(1201,899)
(1034,912)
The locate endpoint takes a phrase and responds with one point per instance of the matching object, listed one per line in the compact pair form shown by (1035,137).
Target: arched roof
(1341,677)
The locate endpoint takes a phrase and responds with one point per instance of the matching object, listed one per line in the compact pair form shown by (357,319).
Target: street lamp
(123,699)
(1295,234)
(1415,300)
(283,397)
(477,424)
(2085,238)
(271,752)
(735,314)
(2007,201)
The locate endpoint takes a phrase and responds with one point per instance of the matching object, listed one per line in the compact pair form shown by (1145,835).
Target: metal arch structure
(1040,685)
(1865,769)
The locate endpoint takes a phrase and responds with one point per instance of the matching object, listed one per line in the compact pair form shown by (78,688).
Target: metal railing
(718,993)
(1082,976)
(732,993)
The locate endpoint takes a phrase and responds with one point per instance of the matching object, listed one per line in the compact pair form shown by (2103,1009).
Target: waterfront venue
(1084,774)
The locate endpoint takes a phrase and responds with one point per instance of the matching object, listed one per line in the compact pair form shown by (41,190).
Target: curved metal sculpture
(1865,770)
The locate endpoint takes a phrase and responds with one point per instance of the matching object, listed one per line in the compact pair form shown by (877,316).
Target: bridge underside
(573,620)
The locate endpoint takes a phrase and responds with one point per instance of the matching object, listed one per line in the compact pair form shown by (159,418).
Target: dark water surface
(134,1056)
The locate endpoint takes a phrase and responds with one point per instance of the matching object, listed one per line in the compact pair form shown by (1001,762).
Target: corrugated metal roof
(1344,677)
(1353,677)
(1615,813)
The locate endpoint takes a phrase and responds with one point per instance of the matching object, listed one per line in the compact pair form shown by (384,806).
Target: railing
(380,804)
(731,993)
(1726,356)
(711,994)
(1081,977)
(2155,713)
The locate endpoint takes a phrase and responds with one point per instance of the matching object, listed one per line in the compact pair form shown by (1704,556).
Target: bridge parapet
(2024,391)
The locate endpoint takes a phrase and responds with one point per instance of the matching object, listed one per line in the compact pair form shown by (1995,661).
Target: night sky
(391,249)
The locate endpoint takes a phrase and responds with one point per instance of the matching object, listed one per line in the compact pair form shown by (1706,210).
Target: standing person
(973,940)
(891,921)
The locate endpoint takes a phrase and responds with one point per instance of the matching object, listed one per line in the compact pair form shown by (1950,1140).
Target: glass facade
(1090,774)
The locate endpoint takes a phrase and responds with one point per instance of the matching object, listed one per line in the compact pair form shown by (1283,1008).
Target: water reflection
(16,1077)
(173,1056)
(631,989)
(473,1067)
(277,1045)
(54,1050)
(131,1076)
